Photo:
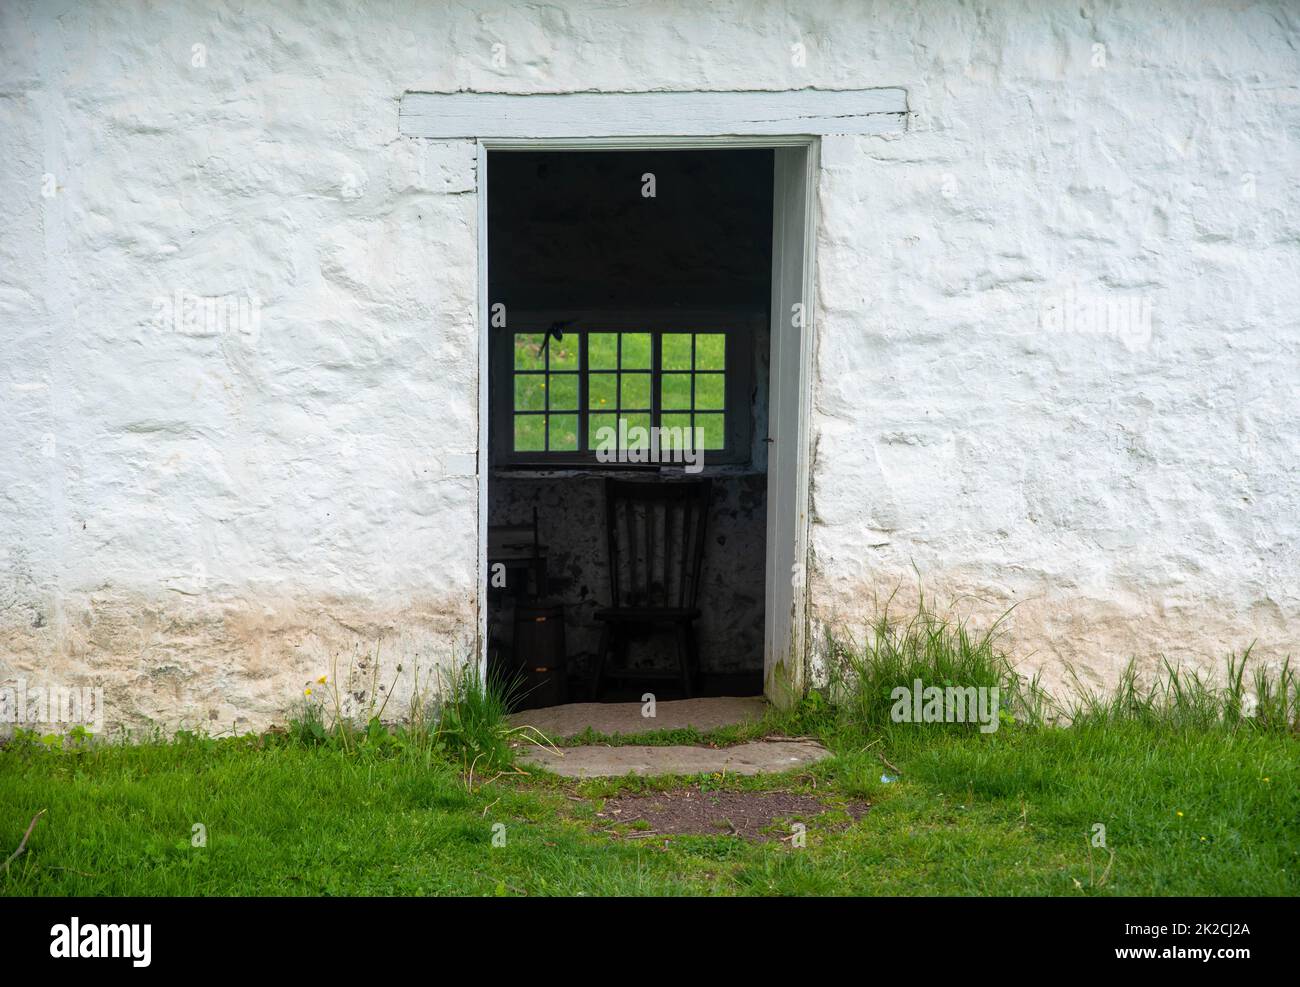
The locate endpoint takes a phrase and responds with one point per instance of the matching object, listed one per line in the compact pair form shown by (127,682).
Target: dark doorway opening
(627,290)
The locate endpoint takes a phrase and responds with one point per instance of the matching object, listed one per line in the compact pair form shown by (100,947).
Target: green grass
(1195,796)
(1006,814)
(896,653)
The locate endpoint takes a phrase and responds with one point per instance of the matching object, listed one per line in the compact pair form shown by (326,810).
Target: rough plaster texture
(199,517)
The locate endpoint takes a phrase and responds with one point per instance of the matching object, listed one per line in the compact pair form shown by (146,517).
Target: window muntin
(562,393)
(693,384)
(547,385)
(619,384)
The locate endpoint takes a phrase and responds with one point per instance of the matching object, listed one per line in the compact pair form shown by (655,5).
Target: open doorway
(630,303)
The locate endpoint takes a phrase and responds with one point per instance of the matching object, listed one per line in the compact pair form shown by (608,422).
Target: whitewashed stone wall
(200,513)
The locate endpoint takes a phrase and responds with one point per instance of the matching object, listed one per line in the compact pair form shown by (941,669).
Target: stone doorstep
(703,714)
(753,758)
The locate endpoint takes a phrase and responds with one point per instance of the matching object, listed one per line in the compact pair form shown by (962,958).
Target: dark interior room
(628,292)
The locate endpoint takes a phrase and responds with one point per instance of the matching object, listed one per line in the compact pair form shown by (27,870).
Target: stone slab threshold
(609,719)
(754,758)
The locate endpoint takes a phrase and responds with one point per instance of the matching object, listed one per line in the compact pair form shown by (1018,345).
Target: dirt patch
(755,816)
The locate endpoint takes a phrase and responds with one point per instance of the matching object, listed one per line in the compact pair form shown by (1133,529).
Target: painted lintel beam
(813,112)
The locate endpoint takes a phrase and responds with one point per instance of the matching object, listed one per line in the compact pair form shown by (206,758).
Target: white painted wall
(197,518)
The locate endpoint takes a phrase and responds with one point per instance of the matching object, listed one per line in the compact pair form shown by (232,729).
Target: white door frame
(789,389)
(794,239)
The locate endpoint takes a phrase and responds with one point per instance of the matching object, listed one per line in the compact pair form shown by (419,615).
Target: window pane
(678,433)
(565,354)
(636,391)
(710,391)
(636,351)
(641,438)
(715,432)
(528,351)
(564,433)
(676,353)
(602,351)
(594,437)
(530,392)
(616,386)
(675,391)
(711,351)
(564,391)
(530,433)
(602,392)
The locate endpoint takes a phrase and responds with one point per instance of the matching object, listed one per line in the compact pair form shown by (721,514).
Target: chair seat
(648,614)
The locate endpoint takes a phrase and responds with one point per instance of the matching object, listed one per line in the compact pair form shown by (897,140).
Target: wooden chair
(655,532)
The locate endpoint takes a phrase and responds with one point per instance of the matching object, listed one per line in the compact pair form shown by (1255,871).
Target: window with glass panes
(564,392)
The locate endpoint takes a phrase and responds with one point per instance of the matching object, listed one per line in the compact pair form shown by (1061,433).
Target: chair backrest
(656,534)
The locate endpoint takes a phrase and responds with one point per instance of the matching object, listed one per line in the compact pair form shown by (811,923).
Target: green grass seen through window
(549,377)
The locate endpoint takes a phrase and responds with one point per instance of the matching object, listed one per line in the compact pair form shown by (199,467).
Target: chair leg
(684,656)
(606,637)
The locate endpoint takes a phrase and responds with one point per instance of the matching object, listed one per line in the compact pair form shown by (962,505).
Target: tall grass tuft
(456,715)
(472,722)
(1181,698)
(462,717)
(928,647)
(1277,698)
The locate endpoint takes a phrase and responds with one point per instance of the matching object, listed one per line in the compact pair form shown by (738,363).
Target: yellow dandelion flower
(322,679)
(1180,813)
(307,692)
